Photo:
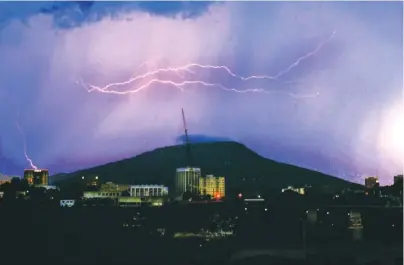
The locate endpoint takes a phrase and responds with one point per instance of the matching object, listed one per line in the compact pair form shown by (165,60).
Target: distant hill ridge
(241,166)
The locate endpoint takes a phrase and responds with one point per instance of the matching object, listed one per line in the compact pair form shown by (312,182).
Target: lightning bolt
(296,63)
(25,146)
(109,88)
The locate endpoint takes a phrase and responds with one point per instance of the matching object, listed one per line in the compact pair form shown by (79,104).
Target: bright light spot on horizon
(392,135)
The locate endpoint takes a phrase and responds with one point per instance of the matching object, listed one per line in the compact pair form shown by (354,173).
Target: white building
(67,203)
(148,191)
(187,180)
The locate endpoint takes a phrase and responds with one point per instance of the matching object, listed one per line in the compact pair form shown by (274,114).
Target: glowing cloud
(357,73)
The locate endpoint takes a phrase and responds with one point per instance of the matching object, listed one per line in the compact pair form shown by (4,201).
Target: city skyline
(321,82)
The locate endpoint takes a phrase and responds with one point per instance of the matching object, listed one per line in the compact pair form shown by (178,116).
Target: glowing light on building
(110,186)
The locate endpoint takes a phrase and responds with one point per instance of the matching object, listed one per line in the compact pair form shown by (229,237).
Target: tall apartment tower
(187,180)
(212,186)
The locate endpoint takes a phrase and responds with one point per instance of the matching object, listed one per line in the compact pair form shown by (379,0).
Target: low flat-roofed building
(137,201)
(112,187)
(101,194)
(67,203)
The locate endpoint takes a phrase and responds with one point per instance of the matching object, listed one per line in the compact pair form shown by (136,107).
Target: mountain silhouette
(242,167)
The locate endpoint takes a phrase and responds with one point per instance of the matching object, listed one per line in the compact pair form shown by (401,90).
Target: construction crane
(187,144)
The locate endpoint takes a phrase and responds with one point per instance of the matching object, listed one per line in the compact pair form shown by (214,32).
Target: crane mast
(187,144)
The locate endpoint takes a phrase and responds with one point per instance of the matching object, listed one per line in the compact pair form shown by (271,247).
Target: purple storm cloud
(338,109)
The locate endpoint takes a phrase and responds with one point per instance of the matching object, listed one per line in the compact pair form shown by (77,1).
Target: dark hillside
(241,166)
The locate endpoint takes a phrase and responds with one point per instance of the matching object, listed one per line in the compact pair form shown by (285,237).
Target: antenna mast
(187,145)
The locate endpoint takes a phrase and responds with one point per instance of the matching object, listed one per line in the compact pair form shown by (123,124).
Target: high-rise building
(398,179)
(212,186)
(371,182)
(37,177)
(187,180)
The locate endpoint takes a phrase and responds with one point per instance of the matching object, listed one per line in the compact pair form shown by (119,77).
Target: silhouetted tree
(9,191)
(23,184)
(15,182)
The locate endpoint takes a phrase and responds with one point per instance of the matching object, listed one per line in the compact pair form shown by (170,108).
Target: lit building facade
(101,194)
(371,182)
(112,187)
(212,186)
(148,191)
(137,201)
(187,180)
(301,191)
(37,177)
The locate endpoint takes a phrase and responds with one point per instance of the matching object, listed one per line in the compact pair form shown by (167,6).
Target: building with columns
(148,191)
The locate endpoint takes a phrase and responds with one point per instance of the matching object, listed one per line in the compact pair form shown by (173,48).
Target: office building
(371,182)
(187,180)
(37,177)
(148,191)
(212,186)
(398,179)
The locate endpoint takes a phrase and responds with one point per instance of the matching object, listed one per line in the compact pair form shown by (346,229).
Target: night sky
(334,102)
